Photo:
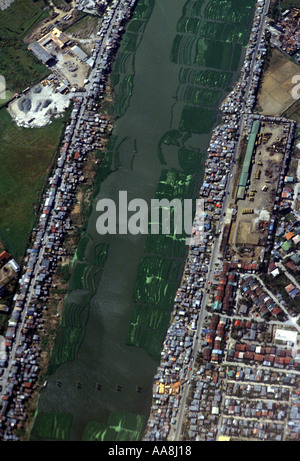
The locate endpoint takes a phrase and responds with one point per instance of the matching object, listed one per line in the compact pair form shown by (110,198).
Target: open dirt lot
(74,70)
(275,95)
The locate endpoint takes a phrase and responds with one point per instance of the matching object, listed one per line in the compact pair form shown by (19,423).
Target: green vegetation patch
(235,33)
(171,138)
(211,30)
(231,11)
(82,246)
(153,281)
(197,119)
(143,9)
(85,277)
(210,78)
(188,25)
(160,269)
(70,333)
(122,98)
(123,68)
(236,57)
(190,160)
(216,54)
(124,63)
(120,427)
(201,49)
(200,96)
(52,426)
(150,340)
(154,292)
(136,25)
(129,42)
(166,245)
(194,8)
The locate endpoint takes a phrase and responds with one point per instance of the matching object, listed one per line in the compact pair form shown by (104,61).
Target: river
(104,357)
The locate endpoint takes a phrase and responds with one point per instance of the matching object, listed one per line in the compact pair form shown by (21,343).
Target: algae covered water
(176,63)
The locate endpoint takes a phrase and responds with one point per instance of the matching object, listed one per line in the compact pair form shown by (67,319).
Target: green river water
(177,62)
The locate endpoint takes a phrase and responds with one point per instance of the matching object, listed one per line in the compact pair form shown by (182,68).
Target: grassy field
(17,63)
(26,156)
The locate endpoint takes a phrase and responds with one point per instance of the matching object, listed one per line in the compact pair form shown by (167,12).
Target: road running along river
(104,357)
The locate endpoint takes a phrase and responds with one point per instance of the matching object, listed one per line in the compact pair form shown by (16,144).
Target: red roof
(259,357)
(4,255)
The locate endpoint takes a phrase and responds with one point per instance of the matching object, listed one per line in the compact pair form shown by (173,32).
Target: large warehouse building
(41,53)
(247,161)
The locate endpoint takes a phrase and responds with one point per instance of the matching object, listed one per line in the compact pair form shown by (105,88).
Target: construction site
(69,67)
(63,56)
(256,194)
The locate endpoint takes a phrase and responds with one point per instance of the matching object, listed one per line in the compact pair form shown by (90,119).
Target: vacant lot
(275,96)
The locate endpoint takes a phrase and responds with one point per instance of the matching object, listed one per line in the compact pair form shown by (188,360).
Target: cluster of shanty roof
(219,159)
(225,290)
(214,339)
